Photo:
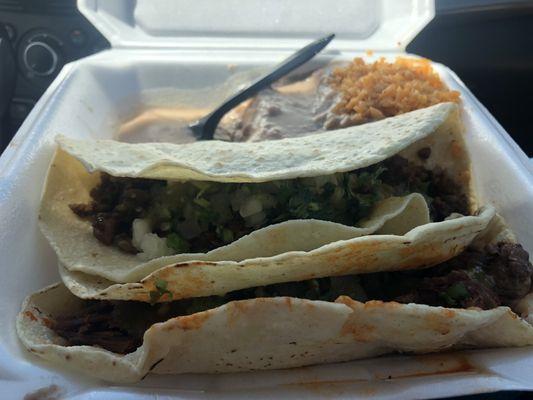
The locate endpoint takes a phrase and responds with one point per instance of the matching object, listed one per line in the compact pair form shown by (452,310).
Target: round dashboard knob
(40,58)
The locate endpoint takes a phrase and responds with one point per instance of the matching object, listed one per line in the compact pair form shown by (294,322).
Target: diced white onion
(150,245)
(239,197)
(338,196)
(255,219)
(250,206)
(153,246)
(139,227)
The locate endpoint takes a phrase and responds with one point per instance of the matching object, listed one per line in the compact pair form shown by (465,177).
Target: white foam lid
(379,25)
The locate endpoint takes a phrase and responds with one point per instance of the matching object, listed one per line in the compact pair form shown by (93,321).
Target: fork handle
(294,61)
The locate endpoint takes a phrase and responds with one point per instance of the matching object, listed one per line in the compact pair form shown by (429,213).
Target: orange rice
(381,89)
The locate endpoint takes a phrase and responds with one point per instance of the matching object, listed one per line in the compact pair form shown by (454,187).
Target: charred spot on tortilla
(164,218)
(155,364)
(496,275)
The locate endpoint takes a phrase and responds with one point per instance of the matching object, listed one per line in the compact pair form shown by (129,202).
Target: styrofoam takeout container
(185,46)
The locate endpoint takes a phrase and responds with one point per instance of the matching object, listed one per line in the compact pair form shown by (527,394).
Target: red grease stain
(47,322)
(30,315)
(288,302)
(434,365)
(193,264)
(194,321)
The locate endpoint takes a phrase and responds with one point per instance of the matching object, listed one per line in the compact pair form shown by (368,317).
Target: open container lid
(380,25)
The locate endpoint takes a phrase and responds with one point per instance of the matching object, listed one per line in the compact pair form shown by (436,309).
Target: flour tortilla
(270,333)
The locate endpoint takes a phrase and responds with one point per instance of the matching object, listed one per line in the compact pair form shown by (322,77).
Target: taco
(480,298)
(276,211)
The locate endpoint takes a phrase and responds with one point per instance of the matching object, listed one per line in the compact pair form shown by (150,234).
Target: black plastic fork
(204,128)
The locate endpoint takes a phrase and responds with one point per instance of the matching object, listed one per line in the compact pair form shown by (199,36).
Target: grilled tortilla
(429,139)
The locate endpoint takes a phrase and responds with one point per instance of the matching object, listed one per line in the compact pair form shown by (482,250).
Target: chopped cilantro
(225,234)
(313,206)
(177,243)
(161,290)
(212,213)
(455,293)
(202,202)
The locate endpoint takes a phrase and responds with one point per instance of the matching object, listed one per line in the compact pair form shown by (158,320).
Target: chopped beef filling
(201,216)
(115,204)
(497,275)
(445,195)
(96,325)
